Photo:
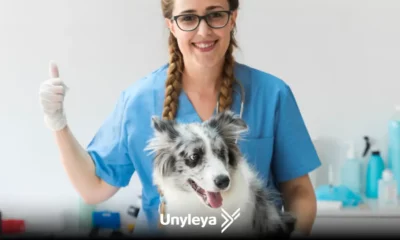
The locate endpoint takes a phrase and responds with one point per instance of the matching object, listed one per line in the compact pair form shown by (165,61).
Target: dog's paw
(285,227)
(289,223)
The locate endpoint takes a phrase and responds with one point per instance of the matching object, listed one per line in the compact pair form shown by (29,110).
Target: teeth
(204,45)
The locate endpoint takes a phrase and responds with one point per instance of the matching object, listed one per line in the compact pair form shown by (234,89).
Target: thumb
(54,73)
(53,70)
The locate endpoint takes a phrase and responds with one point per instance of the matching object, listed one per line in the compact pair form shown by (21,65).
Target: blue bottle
(375,169)
(394,146)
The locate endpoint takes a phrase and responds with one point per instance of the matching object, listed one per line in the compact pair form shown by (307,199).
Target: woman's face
(204,46)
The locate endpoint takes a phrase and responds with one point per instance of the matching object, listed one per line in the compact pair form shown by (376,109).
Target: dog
(203,177)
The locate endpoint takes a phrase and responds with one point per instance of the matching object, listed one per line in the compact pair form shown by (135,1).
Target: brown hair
(173,84)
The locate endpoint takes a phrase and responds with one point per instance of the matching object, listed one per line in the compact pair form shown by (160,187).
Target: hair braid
(225,97)
(173,84)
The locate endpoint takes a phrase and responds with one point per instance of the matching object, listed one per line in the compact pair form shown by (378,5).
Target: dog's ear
(164,127)
(229,125)
(165,132)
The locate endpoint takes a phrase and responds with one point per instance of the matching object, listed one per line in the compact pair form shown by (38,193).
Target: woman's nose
(203,28)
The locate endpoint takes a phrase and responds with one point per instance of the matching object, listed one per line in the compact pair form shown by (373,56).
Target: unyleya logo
(201,221)
(229,219)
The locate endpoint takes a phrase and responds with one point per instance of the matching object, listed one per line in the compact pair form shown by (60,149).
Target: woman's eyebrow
(207,9)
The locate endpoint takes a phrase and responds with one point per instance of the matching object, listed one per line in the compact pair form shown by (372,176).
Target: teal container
(394,142)
(375,169)
(394,150)
(85,215)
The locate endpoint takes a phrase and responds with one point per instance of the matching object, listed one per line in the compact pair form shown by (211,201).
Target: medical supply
(330,176)
(131,227)
(351,170)
(106,220)
(133,211)
(341,193)
(394,146)
(374,173)
(242,99)
(85,215)
(52,93)
(332,193)
(387,190)
(12,226)
(367,146)
(364,161)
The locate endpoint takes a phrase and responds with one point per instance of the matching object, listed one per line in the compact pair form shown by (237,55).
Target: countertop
(369,208)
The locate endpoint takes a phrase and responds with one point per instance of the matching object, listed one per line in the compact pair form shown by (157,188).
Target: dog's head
(197,157)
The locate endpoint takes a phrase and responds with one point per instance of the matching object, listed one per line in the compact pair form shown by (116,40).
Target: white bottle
(350,173)
(387,190)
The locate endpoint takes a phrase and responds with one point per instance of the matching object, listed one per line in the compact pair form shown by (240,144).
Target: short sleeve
(294,152)
(108,148)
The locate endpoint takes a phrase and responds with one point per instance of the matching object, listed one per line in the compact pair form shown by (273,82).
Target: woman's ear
(233,19)
(170,25)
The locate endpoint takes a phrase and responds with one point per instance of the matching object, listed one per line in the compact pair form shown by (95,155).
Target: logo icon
(228,218)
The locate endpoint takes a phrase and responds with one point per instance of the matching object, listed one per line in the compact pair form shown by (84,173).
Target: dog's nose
(222,181)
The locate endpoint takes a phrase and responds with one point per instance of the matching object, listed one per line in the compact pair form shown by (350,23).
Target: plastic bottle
(364,161)
(387,190)
(350,173)
(85,215)
(375,168)
(394,146)
(330,176)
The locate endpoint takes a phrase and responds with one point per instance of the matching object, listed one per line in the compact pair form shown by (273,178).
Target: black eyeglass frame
(174,18)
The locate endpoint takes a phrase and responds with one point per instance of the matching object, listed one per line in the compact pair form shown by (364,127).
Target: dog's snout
(222,181)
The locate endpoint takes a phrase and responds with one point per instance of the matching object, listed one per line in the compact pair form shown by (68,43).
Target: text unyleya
(200,221)
(188,220)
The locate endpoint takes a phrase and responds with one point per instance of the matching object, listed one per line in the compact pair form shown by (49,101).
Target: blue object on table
(106,219)
(338,193)
(375,168)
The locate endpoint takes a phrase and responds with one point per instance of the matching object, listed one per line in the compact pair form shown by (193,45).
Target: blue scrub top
(277,144)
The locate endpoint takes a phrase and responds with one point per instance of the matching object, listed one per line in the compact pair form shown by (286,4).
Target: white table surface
(369,208)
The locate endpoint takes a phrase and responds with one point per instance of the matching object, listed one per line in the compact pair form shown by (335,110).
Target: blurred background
(339,57)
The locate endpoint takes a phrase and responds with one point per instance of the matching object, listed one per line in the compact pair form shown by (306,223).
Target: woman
(201,72)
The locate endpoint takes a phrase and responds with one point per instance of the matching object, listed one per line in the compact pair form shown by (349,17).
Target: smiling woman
(202,42)
(200,79)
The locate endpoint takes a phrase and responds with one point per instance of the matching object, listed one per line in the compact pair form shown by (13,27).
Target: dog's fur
(201,152)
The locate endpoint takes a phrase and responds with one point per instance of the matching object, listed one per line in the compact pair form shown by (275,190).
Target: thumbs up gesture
(51,94)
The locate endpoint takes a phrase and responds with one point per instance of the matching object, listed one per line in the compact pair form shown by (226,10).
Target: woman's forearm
(299,199)
(301,202)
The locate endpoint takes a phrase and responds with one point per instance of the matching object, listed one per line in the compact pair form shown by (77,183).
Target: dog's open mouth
(212,199)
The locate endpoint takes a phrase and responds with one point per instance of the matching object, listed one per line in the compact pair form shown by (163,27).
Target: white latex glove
(52,93)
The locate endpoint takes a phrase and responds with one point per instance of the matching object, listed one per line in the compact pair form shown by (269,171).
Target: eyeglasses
(189,22)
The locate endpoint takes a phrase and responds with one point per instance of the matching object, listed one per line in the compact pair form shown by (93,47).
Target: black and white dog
(207,182)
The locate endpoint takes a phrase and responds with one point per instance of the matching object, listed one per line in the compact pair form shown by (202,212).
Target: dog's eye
(194,157)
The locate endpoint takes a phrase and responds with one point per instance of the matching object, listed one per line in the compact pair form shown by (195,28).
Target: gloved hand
(52,93)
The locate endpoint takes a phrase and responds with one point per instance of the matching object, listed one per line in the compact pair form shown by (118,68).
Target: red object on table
(12,226)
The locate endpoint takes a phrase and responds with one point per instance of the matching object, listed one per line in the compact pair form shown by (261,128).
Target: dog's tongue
(214,199)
